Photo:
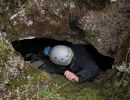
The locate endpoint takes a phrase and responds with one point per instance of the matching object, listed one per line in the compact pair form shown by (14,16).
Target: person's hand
(71,76)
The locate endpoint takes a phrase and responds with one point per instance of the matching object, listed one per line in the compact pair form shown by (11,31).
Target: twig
(38,86)
(124,75)
(63,85)
(127,54)
(126,94)
(15,15)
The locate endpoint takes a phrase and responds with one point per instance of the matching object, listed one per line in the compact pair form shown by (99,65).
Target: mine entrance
(33,48)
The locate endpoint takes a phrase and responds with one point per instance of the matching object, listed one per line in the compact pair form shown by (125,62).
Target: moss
(90,94)
(49,87)
(4,48)
(54,23)
(93,37)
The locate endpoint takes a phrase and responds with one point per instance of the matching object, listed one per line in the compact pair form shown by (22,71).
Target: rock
(38,22)
(113,0)
(106,27)
(2,88)
(102,24)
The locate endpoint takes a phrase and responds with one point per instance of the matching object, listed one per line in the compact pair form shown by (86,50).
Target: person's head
(60,54)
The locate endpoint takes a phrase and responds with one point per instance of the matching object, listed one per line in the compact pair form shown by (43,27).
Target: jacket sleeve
(88,71)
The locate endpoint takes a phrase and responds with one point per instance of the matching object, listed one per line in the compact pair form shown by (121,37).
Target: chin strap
(47,50)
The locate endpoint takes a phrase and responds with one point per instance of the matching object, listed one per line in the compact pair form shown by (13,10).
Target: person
(76,64)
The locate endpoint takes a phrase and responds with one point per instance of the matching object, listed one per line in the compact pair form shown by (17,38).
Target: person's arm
(88,73)
(82,76)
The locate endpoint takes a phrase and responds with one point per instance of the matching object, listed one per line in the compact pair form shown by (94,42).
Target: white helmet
(61,55)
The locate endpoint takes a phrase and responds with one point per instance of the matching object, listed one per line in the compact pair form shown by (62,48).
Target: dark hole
(104,62)
(36,46)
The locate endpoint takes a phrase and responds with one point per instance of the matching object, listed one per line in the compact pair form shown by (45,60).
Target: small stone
(99,40)
(113,0)
(72,5)
(2,87)
(28,77)
(29,23)
(29,37)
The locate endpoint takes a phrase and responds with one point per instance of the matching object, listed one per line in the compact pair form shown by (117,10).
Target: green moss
(52,87)
(49,94)
(90,94)
(93,37)
(4,48)
(54,24)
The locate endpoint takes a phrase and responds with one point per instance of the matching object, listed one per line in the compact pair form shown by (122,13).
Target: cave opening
(36,46)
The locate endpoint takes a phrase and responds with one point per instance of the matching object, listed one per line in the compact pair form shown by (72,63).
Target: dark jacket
(83,64)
